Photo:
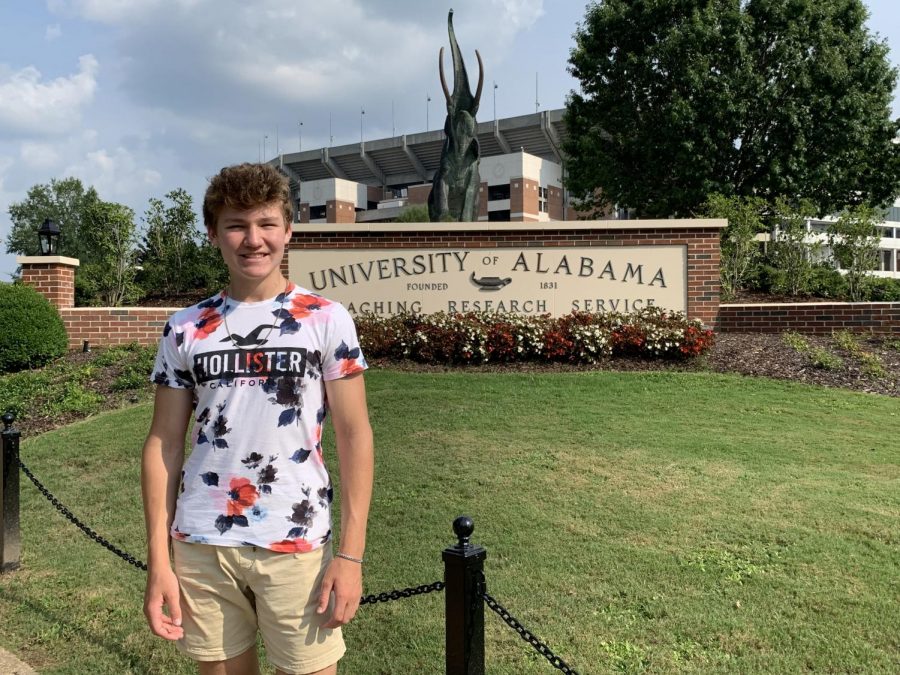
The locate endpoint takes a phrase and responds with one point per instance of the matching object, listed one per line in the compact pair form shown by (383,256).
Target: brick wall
(823,318)
(107,326)
(54,281)
(702,249)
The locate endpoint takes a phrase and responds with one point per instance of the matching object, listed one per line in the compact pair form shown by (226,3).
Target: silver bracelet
(348,557)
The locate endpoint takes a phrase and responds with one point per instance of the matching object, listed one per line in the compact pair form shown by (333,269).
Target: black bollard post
(463,589)
(10,542)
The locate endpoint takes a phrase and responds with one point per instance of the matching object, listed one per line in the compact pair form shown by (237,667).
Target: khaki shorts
(227,593)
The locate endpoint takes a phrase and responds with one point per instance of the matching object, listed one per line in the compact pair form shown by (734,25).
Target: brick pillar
(555,203)
(523,200)
(418,194)
(337,211)
(53,276)
(303,213)
(483,201)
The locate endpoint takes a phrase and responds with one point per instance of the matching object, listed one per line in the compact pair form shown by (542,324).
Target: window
(316,212)
(498,216)
(886,260)
(498,192)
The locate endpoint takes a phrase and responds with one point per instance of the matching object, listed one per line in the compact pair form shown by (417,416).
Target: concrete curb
(10,665)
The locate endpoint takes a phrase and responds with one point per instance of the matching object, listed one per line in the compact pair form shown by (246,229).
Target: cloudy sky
(137,97)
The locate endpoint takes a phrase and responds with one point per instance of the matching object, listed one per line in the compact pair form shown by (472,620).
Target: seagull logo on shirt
(252,339)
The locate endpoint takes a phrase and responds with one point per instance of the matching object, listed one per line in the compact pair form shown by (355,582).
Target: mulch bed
(766,355)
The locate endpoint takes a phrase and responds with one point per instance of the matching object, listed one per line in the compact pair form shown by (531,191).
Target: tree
(684,98)
(64,201)
(794,252)
(175,255)
(414,213)
(739,250)
(854,241)
(169,247)
(110,232)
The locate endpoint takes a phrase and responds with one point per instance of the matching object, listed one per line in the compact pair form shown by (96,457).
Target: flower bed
(579,337)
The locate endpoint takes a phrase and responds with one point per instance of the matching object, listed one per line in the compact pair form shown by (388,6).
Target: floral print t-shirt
(255,474)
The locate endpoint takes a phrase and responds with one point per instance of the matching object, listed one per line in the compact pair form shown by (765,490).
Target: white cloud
(236,61)
(31,105)
(116,174)
(42,156)
(53,32)
(519,14)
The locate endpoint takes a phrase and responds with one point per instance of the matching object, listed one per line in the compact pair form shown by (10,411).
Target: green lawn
(659,523)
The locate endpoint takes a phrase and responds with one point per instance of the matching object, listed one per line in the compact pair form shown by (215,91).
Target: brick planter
(819,318)
(107,326)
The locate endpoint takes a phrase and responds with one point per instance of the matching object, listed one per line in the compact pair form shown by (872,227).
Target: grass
(655,522)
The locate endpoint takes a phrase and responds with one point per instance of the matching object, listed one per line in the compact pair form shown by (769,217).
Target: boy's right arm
(161,463)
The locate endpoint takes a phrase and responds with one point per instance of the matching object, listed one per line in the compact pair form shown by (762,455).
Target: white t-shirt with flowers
(255,474)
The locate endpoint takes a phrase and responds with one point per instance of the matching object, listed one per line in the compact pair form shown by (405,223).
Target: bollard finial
(8,419)
(463,527)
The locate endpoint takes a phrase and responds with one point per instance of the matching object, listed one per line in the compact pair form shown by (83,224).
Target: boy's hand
(162,592)
(344,579)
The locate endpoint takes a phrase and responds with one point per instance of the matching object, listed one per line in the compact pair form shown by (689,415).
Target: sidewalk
(10,665)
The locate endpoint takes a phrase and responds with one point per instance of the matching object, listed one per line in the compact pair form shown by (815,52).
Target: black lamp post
(48,235)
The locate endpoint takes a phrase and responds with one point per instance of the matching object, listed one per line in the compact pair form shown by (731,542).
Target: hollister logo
(237,363)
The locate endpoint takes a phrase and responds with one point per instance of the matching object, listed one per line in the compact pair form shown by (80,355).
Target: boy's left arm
(356,464)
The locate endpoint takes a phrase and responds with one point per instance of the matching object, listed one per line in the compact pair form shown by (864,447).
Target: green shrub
(822,358)
(31,331)
(846,340)
(761,278)
(827,282)
(884,290)
(137,365)
(795,341)
(872,366)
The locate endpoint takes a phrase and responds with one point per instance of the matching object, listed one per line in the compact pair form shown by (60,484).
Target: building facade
(522,170)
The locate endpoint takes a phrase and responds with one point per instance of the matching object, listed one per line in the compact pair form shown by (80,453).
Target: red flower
(209,320)
(242,495)
(303,305)
(291,546)
(350,367)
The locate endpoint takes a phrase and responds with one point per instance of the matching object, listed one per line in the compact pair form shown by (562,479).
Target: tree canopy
(681,99)
(67,202)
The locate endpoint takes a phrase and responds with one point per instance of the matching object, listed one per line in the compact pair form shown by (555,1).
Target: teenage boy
(254,370)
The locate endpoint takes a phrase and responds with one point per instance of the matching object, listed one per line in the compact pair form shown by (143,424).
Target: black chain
(402,593)
(398,594)
(127,557)
(528,636)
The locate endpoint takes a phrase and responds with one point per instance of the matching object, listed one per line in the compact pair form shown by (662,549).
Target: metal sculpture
(454,190)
